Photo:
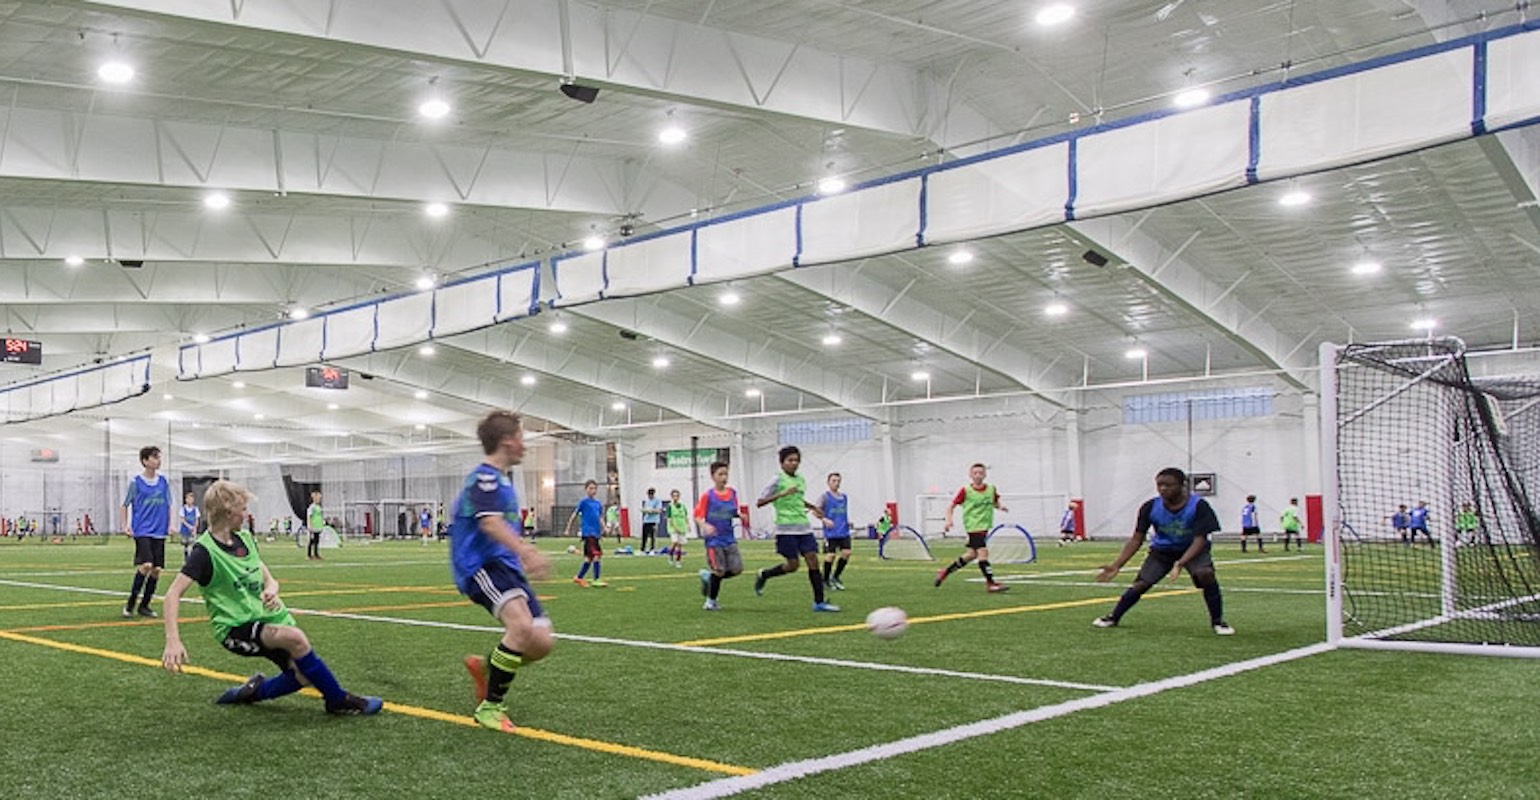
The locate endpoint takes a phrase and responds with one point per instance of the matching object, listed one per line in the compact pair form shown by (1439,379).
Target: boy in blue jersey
(1182,523)
(836,536)
(147,513)
(1250,523)
(715,513)
(591,512)
(793,536)
(491,560)
(1417,522)
(1067,524)
(189,526)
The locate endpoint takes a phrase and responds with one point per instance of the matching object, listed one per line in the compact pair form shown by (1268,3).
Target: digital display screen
(22,351)
(326,377)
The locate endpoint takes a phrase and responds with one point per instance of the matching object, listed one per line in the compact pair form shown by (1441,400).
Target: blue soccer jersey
(487,493)
(1249,516)
(836,507)
(150,506)
(189,520)
(1400,521)
(590,516)
(1418,519)
(719,511)
(1174,530)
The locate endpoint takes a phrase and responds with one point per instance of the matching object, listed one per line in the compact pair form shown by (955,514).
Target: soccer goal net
(903,543)
(1430,473)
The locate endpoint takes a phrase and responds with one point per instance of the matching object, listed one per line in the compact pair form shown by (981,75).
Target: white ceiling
(528,172)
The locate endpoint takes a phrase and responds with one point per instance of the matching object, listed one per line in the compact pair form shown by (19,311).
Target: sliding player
(1182,522)
(979,501)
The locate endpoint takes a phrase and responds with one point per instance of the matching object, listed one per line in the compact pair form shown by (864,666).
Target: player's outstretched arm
(1109,571)
(175,655)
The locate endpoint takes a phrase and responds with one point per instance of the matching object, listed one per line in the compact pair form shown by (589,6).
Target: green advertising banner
(676,459)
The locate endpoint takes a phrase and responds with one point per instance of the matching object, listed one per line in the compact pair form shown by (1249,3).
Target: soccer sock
(500,668)
(828,569)
(816,578)
(1214,601)
(956,565)
(597,566)
(989,574)
(715,586)
(839,566)
(133,594)
(320,676)
(778,569)
(583,570)
(285,683)
(149,591)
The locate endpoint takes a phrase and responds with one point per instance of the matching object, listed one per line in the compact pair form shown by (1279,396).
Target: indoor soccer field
(1010,694)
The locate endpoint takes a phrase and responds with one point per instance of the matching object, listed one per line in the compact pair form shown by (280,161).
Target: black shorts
(1251,531)
(836,545)
(978,539)
(149,550)
(246,640)
(591,547)
(1159,563)
(496,584)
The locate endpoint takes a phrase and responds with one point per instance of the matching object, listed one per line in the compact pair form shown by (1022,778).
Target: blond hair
(219,504)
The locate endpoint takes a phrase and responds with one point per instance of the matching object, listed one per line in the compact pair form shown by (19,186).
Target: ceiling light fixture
(167,397)
(960,257)
(238,385)
(1366,268)
(1056,309)
(1424,324)
(751,392)
(216,201)
(617,406)
(527,380)
(832,339)
(831,185)
(1293,198)
(661,362)
(116,72)
(332,406)
(1054,14)
(729,299)
(420,394)
(298,312)
(201,338)
(436,210)
(595,242)
(434,109)
(919,375)
(419,427)
(558,327)
(673,134)
(1137,352)
(73,260)
(426,282)
(427,350)
(1190,98)
(259,416)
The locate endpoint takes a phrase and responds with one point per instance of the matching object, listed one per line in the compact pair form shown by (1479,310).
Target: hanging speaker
(579,92)
(1094,258)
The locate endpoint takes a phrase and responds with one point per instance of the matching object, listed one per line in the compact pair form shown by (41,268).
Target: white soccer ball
(887,623)
(571,548)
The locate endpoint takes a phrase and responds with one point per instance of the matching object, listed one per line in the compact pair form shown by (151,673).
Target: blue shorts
(496,584)
(790,546)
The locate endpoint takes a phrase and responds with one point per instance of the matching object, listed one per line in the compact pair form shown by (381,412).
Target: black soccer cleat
(352,704)
(243,694)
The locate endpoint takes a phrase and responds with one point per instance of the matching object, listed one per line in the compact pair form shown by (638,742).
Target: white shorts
(676,538)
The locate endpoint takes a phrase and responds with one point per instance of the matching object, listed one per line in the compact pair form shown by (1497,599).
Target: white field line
(1022,576)
(833,662)
(801,769)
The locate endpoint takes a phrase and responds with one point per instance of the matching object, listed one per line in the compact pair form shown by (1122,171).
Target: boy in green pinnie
(248,618)
(979,501)
(1465,524)
(794,537)
(678,515)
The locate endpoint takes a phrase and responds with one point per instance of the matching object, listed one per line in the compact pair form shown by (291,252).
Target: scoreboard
(326,377)
(21,351)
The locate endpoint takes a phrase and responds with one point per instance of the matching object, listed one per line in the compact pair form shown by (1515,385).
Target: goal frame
(1331,504)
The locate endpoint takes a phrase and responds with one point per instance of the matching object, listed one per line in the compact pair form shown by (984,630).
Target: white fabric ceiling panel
(1513,79)
(517,293)
(349,332)
(749,245)
(466,306)
(257,350)
(1174,157)
(1366,115)
(579,279)
(1013,192)
(213,358)
(403,321)
(300,342)
(865,222)
(664,262)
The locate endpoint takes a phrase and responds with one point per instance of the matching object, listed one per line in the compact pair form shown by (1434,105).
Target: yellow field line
(77,604)
(595,745)
(988,612)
